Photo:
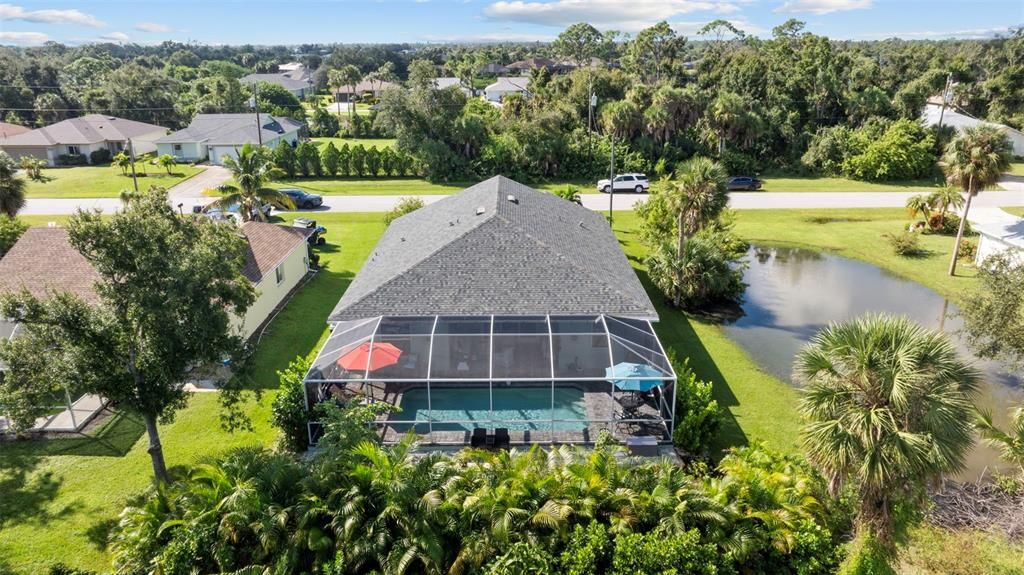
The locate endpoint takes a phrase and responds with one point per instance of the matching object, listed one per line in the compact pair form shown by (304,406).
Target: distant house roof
(284,80)
(231,129)
(88,129)
(366,86)
(7,130)
(43,261)
(531,64)
(951,117)
(506,84)
(442,83)
(269,244)
(498,247)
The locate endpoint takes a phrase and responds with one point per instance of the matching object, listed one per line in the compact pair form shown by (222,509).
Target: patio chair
(501,438)
(479,438)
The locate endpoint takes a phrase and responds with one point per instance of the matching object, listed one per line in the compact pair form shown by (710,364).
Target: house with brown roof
(372,87)
(44,262)
(7,130)
(82,136)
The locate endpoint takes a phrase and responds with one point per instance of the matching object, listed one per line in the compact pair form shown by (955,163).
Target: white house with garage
(504,86)
(215,136)
(952,117)
(80,137)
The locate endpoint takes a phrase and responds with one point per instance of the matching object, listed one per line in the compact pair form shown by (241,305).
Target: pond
(792,293)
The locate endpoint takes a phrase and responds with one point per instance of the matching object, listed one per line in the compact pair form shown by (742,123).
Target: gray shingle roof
(538,254)
(231,129)
(88,129)
(284,80)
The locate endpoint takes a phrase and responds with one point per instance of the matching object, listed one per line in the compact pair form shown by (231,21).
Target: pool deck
(603,412)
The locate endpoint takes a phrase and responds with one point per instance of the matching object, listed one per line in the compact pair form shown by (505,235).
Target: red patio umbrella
(383,355)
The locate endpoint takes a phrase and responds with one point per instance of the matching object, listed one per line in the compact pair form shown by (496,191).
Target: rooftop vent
(512,199)
(480,211)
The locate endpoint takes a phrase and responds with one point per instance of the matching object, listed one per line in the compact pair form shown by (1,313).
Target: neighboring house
(82,136)
(499,307)
(523,67)
(7,130)
(493,69)
(959,120)
(374,88)
(215,136)
(998,232)
(443,83)
(43,261)
(300,88)
(505,86)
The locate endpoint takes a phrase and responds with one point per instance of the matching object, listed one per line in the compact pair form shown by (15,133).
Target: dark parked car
(743,183)
(302,199)
(316,237)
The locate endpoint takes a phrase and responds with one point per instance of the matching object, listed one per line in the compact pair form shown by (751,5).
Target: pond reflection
(793,293)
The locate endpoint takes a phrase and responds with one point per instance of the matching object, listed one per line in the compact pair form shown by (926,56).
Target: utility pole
(611,181)
(131,156)
(591,102)
(945,97)
(255,103)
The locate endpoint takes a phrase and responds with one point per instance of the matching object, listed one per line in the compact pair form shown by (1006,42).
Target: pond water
(793,293)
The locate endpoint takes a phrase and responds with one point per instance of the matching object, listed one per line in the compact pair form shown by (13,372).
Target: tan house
(44,261)
(81,137)
(373,87)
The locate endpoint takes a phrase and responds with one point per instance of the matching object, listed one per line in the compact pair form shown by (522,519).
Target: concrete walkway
(70,420)
(1012,195)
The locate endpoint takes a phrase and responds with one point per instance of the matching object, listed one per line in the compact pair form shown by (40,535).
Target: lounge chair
(479,438)
(501,438)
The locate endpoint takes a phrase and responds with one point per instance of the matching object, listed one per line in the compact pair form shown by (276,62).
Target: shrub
(357,160)
(522,559)
(308,159)
(904,151)
(866,556)
(10,230)
(71,160)
(285,159)
(698,417)
(330,159)
(588,550)
(101,156)
(947,224)
(968,249)
(372,161)
(905,243)
(288,412)
(655,552)
(828,150)
(404,206)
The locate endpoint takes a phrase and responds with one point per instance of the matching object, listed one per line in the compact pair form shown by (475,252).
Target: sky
(32,22)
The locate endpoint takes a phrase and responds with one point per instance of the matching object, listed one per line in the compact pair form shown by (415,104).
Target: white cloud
(153,28)
(622,15)
(822,6)
(12,12)
(115,37)
(488,38)
(967,34)
(23,38)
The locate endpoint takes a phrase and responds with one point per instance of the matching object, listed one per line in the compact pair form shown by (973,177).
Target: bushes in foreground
(358,507)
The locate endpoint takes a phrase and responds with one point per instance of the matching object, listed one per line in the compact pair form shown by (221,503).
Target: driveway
(189,193)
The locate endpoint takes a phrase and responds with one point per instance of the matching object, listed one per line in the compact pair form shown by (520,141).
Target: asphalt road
(1011,195)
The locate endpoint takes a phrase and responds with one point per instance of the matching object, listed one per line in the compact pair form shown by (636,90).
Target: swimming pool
(515,408)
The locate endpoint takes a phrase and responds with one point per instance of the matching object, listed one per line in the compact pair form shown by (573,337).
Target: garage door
(218,153)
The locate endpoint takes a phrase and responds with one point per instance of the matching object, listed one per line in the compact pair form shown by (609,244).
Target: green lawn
(788,183)
(366,142)
(104,181)
(1016,168)
(347,186)
(60,497)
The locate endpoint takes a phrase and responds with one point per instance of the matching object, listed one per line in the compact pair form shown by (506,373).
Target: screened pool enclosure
(545,378)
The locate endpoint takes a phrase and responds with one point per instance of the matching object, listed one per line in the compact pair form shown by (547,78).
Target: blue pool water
(518,409)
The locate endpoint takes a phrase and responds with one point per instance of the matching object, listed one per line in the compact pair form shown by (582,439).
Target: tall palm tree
(1011,442)
(919,205)
(252,169)
(945,198)
(887,408)
(697,196)
(350,76)
(974,161)
(12,188)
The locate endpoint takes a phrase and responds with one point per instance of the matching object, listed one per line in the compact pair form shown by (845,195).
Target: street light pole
(945,97)
(131,156)
(611,181)
(256,106)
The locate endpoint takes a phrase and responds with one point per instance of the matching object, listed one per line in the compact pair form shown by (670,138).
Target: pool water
(515,408)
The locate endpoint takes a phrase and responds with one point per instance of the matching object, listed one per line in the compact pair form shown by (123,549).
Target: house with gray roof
(298,82)
(503,86)
(214,136)
(500,307)
(81,136)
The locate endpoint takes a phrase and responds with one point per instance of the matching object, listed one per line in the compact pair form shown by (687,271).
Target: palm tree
(569,193)
(620,118)
(887,405)
(697,196)
(974,161)
(1011,442)
(919,205)
(167,162)
(944,198)
(252,169)
(121,160)
(12,188)
(349,76)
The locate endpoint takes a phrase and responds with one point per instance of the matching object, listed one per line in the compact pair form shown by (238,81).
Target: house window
(279,274)
(177,147)
(73,151)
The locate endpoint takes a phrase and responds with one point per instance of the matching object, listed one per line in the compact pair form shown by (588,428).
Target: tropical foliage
(12,188)
(402,207)
(252,170)
(888,409)
(994,314)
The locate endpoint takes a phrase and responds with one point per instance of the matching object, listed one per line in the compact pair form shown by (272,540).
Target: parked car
(302,199)
(231,212)
(317,237)
(743,183)
(626,183)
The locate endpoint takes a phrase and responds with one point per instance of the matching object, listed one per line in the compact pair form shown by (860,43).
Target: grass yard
(349,186)
(1016,168)
(788,183)
(104,181)
(61,497)
(381,143)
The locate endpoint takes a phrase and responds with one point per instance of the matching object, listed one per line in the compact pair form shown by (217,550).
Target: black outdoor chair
(501,438)
(479,438)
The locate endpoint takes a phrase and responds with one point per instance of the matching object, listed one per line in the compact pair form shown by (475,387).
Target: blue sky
(31,22)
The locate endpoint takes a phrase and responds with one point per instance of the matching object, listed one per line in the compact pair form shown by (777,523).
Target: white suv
(626,183)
